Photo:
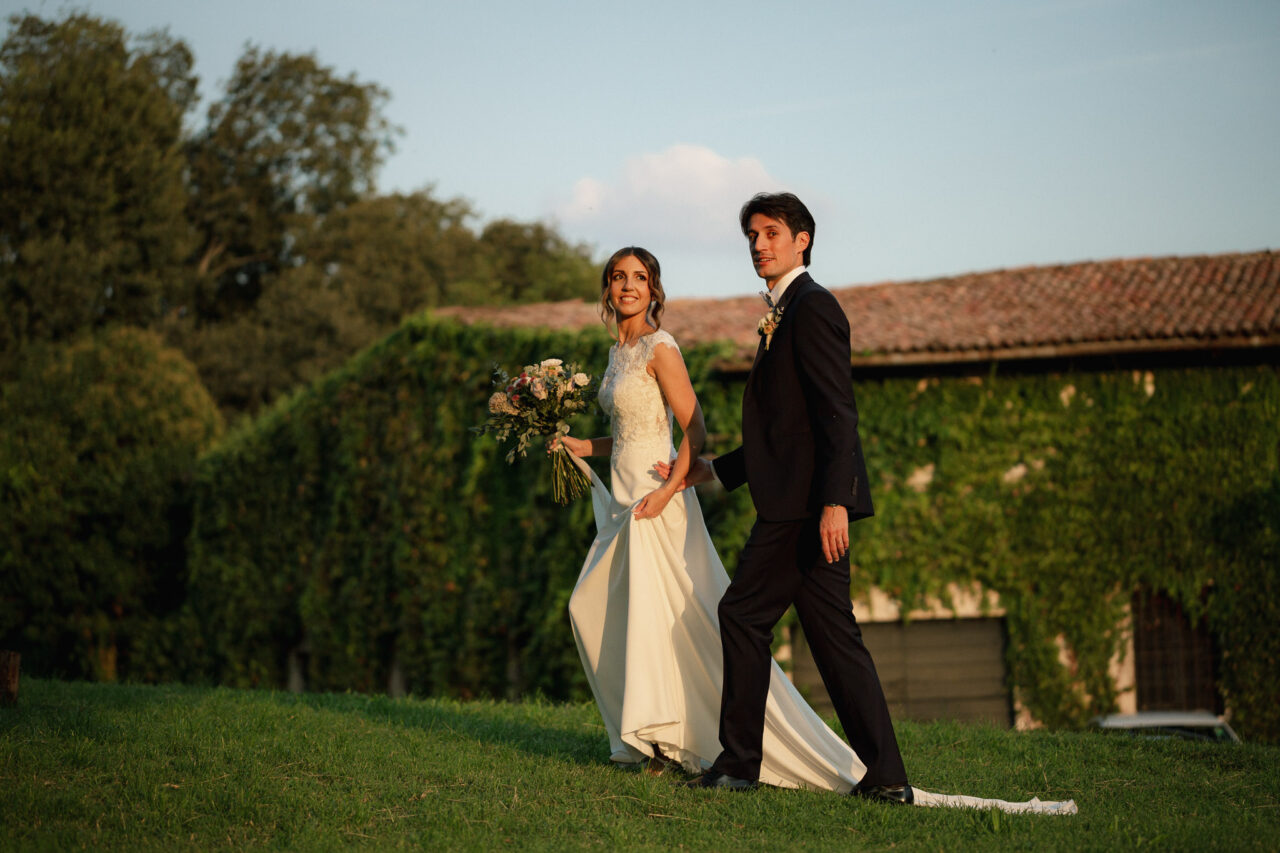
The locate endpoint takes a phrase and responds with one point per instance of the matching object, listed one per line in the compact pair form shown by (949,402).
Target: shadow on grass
(539,730)
(109,713)
(59,707)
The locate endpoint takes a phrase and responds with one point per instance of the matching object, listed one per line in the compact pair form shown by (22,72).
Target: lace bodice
(641,417)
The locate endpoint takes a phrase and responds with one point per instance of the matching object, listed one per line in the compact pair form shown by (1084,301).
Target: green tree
(289,141)
(396,254)
(257,241)
(358,272)
(361,270)
(299,329)
(92,229)
(530,262)
(97,454)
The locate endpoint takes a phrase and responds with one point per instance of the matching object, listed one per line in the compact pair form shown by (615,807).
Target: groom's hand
(699,472)
(833,528)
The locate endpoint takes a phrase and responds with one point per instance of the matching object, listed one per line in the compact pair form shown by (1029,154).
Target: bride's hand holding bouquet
(580,447)
(535,403)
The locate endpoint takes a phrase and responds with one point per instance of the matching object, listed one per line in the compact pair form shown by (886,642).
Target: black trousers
(782,564)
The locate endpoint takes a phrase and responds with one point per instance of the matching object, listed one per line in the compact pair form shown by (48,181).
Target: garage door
(946,669)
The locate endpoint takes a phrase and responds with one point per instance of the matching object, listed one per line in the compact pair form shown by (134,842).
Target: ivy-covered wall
(1065,493)
(361,525)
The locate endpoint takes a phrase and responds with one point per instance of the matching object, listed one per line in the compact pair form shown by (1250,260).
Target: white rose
(552,362)
(581,380)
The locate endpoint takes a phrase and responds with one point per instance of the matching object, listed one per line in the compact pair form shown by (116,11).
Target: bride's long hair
(657,296)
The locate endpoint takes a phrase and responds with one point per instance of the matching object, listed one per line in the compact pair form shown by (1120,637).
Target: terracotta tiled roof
(1206,301)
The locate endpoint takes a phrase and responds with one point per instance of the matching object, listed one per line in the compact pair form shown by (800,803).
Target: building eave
(1064,350)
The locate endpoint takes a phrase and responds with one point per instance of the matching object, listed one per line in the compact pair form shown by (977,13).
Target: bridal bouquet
(534,404)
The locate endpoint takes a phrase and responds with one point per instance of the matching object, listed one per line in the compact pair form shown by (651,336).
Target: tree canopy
(92,229)
(255,239)
(100,439)
(289,141)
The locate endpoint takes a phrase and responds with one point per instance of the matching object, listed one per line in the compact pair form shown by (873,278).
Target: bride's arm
(673,378)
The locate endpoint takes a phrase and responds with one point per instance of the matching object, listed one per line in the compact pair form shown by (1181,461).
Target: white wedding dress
(644,616)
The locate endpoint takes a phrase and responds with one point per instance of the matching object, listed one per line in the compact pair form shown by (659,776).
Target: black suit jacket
(800,446)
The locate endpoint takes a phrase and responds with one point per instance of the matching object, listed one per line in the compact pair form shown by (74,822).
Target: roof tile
(1204,299)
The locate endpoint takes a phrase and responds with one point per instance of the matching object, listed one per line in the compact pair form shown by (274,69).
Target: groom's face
(775,251)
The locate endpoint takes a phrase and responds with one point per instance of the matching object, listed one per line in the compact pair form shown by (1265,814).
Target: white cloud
(686,197)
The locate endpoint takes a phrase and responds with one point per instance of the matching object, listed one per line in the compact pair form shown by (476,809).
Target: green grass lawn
(85,765)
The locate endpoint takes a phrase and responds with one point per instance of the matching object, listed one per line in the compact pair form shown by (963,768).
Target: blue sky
(928,138)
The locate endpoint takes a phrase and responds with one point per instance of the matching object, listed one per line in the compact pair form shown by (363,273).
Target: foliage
(1244,606)
(530,262)
(297,331)
(289,141)
(91,218)
(301,264)
(360,270)
(97,453)
(112,767)
(393,255)
(254,240)
(401,541)
(1064,494)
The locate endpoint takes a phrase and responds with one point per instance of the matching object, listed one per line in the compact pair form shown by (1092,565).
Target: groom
(802,460)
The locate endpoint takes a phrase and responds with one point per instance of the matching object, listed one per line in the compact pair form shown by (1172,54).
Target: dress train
(655,632)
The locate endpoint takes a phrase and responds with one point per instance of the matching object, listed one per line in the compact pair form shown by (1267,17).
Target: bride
(644,609)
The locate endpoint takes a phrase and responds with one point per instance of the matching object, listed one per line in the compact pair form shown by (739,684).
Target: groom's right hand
(699,472)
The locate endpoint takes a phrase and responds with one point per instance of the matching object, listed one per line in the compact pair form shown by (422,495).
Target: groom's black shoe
(716,779)
(900,794)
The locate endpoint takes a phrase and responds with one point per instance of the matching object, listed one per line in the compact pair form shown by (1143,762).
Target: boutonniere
(769,324)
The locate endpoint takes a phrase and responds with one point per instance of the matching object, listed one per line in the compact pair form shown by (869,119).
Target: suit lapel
(802,282)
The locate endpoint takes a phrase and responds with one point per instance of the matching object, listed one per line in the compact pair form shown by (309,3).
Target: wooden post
(9,677)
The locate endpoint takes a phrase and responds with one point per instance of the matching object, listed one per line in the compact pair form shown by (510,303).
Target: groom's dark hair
(785,208)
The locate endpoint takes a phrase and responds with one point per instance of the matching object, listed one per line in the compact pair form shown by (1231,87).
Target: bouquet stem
(567,482)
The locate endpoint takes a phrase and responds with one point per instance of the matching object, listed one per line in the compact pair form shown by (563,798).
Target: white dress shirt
(775,292)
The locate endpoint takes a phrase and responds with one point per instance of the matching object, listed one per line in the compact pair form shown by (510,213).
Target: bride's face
(629,287)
